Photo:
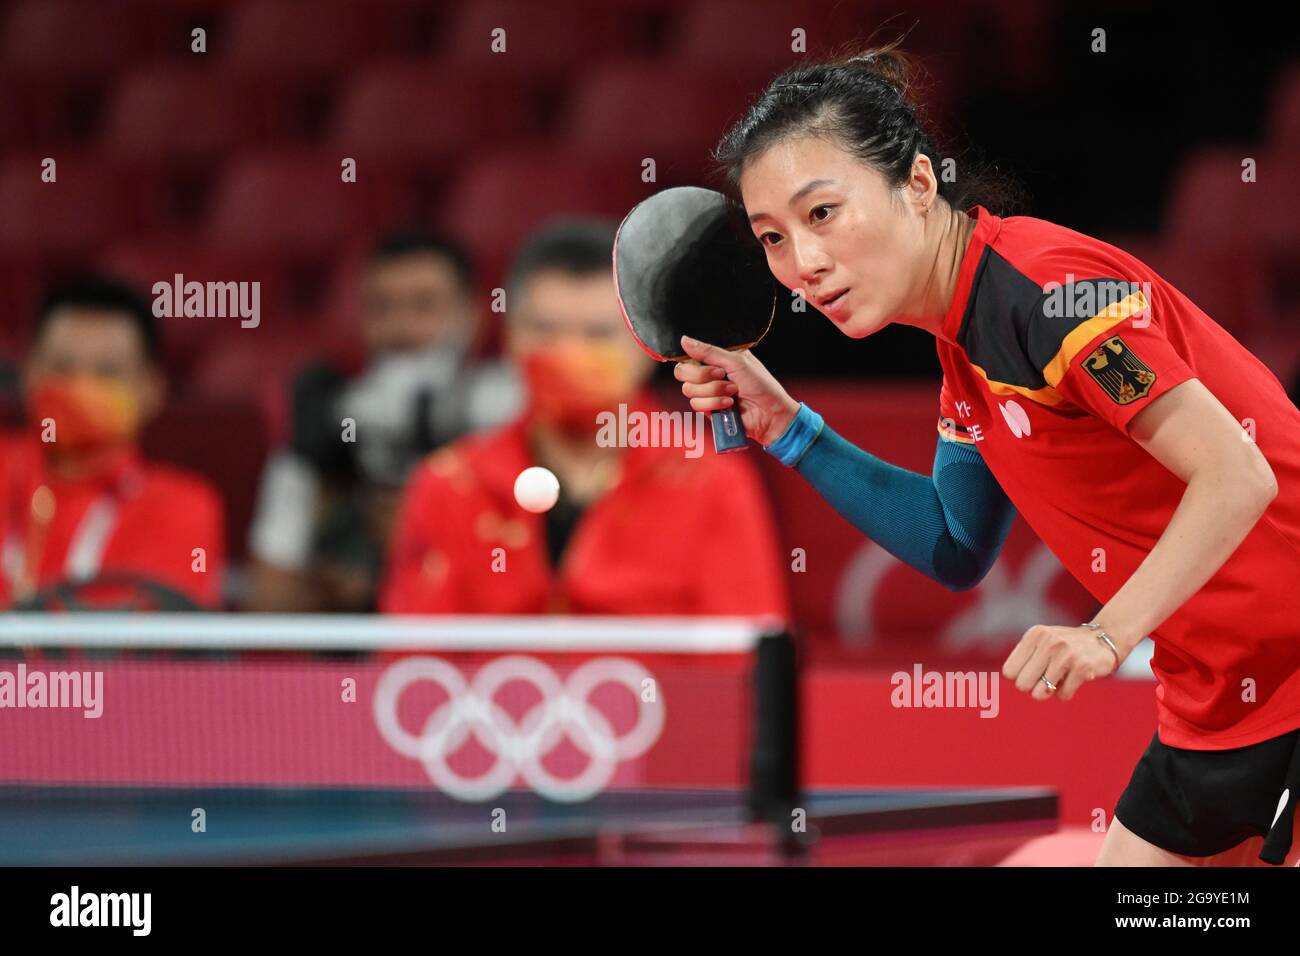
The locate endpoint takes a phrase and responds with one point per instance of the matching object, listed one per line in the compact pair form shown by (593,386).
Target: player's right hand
(717,379)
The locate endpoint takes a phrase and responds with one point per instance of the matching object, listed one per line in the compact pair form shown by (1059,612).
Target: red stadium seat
(1279,230)
(428,112)
(1279,203)
(294,203)
(1218,229)
(755,35)
(176,123)
(1209,206)
(65,38)
(255,366)
(288,36)
(339,316)
(21,280)
(502,196)
(1284,113)
(761,32)
(681,110)
(1212,290)
(1232,290)
(225,442)
(299,51)
(92,200)
(541,38)
(173,113)
(18,120)
(56,55)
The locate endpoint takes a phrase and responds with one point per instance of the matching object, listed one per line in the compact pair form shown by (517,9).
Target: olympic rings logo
(518,746)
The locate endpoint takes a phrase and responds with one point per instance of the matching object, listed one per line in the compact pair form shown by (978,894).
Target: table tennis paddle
(684,264)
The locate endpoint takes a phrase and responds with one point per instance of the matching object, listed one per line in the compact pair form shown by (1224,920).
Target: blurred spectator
(636,530)
(82,510)
(327,499)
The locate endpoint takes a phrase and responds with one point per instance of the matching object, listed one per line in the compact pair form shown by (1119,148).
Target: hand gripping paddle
(684,265)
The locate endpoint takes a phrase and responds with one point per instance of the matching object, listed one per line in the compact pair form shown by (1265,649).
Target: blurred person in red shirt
(634,529)
(328,497)
(80,508)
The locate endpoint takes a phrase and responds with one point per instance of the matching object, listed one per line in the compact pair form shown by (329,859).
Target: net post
(774,757)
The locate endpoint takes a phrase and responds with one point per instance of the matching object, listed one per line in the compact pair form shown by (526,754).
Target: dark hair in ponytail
(862,102)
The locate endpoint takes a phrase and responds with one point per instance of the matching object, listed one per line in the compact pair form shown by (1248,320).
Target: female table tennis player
(1155,456)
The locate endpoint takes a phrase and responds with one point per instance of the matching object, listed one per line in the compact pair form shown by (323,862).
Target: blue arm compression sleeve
(949,525)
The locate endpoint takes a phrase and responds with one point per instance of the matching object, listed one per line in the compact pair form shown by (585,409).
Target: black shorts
(1202,802)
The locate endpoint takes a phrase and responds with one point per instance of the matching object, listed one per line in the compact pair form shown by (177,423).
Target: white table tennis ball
(537,489)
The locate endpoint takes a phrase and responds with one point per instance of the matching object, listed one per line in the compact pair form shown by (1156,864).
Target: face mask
(569,384)
(89,414)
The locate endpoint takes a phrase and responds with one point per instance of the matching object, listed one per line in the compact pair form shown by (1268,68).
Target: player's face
(829,224)
(413,302)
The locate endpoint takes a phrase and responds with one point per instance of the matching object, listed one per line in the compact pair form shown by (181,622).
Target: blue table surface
(46,825)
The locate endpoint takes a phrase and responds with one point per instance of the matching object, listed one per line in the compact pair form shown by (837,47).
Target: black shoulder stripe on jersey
(1013,330)
(995,331)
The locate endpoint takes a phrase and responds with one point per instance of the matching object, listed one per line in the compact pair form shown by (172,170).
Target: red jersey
(651,545)
(1060,340)
(136,517)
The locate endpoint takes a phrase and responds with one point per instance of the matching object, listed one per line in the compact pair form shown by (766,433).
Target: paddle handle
(728,431)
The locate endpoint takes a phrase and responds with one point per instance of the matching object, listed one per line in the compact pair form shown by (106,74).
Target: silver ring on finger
(1050,685)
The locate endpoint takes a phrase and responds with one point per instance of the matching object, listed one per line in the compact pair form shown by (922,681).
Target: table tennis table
(79,826)
(288,771)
